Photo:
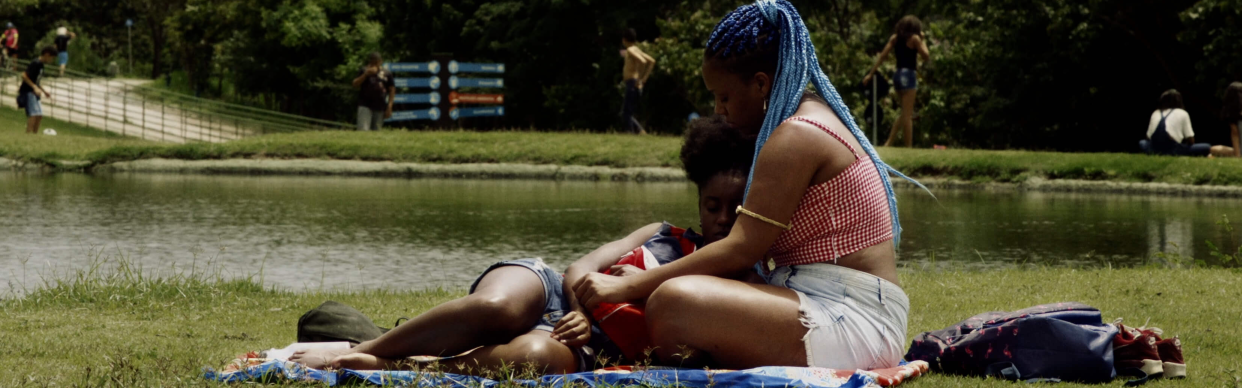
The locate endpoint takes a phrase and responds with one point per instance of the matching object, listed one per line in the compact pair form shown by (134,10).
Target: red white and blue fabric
(764,377)
(836,218)
(625,324)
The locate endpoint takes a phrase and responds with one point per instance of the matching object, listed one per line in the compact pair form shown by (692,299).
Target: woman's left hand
(596,288)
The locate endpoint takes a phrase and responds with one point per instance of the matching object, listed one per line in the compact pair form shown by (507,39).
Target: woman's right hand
(867,79)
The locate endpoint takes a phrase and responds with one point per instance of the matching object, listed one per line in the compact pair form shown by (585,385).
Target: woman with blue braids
(822,210)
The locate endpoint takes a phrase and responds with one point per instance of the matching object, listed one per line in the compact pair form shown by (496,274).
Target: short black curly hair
(714,147)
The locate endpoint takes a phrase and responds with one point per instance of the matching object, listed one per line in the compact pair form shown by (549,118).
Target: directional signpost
(430,98)
(443,81)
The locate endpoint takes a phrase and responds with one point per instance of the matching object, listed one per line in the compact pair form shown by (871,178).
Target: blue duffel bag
(1052,342)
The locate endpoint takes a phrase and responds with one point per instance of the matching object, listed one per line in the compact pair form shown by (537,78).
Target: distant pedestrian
(908,41)
(1169,131)
(63,36)
(8,44)
(31,91)
(638,66)
(377,91)
(1231,112)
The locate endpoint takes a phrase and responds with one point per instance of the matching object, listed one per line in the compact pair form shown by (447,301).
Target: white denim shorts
(854,320)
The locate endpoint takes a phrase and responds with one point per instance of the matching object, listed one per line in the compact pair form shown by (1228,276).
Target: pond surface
(336,233)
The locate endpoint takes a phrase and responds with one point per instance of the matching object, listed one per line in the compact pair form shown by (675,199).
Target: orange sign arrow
(466,98)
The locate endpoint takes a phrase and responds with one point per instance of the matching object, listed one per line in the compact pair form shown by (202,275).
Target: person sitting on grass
(521,312)
(819,205)
(1231,112)
(29,93)
(1169,131)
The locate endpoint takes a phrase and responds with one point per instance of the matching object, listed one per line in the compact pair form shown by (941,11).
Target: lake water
(349,233)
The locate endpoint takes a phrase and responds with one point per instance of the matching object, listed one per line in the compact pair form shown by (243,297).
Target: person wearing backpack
(1169,131)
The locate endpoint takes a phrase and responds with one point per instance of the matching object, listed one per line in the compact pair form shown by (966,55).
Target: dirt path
(115,105)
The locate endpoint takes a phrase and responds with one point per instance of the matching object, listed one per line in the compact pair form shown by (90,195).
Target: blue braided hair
(747,40)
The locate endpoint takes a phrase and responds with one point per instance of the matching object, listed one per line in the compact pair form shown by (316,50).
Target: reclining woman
(818,203)
(520,313)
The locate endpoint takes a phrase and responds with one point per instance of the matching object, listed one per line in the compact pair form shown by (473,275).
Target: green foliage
(1041,74)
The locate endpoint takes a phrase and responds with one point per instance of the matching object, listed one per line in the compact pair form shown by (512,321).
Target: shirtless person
(638,66)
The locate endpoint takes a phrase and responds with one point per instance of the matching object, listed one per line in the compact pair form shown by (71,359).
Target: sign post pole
(129,25)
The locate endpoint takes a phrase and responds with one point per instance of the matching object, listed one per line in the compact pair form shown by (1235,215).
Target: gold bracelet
(741,210)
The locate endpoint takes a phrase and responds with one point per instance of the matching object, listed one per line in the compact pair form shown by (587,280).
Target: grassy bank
(591,149)
(72,141)
(113,326)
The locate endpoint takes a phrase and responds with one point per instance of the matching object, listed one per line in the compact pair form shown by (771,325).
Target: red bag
(626,323)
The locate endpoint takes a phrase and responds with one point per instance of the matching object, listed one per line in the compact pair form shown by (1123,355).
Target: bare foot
(317,359)
(363,361)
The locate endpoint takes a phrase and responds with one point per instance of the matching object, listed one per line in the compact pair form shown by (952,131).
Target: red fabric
(841,216)
(626,323)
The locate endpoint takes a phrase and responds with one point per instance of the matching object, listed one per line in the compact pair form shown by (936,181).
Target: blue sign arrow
(408,115)
(455,67)
(491,111)
(431,82)
(425,67)
(455,83)
(418,98)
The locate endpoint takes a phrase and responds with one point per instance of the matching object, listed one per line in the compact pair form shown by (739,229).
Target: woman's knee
(671,303)
(543,354)
(503,312)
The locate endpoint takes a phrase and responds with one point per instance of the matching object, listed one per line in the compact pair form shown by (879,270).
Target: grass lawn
(72,141)
(591,149)
(113,326)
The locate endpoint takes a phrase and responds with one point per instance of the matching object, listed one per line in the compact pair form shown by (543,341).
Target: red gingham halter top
(836,218)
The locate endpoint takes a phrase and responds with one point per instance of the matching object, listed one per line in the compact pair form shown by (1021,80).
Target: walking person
(63,36)
(377,90)
(29,93)
(638,66)
(908,41)
(8,42)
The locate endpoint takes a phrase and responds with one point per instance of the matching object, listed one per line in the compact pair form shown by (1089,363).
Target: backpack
(335,322)
(1052,342)
(1161,141)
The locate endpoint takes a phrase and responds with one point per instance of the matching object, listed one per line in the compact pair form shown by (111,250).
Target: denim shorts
(33,106)
(906,79)
(62,58)
(556,306)
(854,320)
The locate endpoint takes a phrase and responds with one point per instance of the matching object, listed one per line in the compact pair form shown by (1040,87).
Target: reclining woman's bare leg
(507,303)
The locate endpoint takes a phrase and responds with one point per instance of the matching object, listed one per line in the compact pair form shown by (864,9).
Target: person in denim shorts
(909,42)
(519,312)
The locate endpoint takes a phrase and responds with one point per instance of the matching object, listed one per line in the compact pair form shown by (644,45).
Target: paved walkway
(116,105)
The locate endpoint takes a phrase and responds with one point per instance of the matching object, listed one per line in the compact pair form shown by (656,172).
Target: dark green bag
(334,322)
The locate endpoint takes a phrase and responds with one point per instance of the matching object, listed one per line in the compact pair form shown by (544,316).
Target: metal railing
(132,108)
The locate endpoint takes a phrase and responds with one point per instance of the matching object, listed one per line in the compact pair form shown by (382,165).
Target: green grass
(1017,166)
(592,149)
(432,147)
(113,325)
(73,141)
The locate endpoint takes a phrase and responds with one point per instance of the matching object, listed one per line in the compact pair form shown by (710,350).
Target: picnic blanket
(275,370)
